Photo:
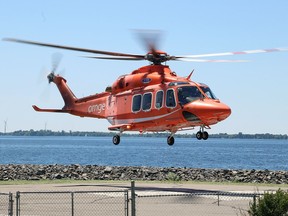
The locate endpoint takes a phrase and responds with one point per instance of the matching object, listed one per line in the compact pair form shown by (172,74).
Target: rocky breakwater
(94,172)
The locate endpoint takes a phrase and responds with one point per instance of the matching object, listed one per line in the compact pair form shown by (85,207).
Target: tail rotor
(56,59)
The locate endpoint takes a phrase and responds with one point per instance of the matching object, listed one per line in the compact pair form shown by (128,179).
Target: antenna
(189,76)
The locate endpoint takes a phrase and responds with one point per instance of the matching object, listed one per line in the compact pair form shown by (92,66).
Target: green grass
(169,181)
(58,181)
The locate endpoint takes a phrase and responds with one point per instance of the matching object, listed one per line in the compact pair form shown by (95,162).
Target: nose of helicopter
(210,111)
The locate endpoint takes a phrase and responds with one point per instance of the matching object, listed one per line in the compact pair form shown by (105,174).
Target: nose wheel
(201,134)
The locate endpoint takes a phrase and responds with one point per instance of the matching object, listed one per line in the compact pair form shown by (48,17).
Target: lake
(146,151)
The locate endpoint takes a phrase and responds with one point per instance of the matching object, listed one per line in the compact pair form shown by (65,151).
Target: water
(146,151)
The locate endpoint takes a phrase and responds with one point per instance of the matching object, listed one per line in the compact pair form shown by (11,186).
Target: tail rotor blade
(56,59)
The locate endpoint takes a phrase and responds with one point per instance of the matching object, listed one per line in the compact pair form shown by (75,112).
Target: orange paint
(152,98)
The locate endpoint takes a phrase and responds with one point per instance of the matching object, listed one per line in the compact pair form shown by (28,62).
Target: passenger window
(147,101)
(159,99)
(170,98)
(136,104)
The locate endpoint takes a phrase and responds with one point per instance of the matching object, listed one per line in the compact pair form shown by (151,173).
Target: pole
(5,126)
(72,203)
(133,197)
(10,207)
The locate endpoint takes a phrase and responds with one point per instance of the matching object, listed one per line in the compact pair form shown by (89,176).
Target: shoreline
(127,173)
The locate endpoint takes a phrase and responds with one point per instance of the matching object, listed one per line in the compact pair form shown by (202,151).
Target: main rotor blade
(208,60)
(236,53)
(71,48)
(116,58)
(149,38)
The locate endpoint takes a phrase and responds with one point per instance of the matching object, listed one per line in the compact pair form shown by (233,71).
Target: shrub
(271,204)
(172,177)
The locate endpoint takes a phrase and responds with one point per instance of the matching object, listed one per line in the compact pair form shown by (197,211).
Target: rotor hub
(157,57)
(51,77)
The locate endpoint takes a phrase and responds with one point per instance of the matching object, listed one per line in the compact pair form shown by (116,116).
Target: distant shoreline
(97,134)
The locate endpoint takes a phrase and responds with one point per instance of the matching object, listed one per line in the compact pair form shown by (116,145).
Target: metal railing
(122,202)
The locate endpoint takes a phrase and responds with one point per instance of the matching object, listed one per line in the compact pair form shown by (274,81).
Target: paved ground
(152,199)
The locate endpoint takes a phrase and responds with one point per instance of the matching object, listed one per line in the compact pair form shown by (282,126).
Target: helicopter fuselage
(152,98)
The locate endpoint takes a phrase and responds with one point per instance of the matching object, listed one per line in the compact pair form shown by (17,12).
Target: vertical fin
(66,93)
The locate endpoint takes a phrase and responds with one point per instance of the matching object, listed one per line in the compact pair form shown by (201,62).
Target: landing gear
(116,139)
(202,134)
(205,135)
(170,140)
(199,135)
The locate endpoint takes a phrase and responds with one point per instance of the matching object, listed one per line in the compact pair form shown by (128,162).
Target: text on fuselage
(96,108)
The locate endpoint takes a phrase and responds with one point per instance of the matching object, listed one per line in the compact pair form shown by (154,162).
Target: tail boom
(94,106)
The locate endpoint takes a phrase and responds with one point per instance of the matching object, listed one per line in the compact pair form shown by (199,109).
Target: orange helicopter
(149,99)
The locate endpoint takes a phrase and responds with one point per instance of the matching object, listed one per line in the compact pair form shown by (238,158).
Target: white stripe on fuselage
(113,121)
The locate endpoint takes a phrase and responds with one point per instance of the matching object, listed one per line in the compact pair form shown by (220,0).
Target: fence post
(218,198)
(17,203)
(126,208)
(254,199)
(72,203)
(133,197)
(10,207)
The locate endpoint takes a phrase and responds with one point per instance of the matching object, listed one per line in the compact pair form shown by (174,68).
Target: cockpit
(208,92)
(187,94)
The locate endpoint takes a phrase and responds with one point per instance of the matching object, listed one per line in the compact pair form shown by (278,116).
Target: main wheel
(116,139)
(205,135)
(199,135)
(170,140)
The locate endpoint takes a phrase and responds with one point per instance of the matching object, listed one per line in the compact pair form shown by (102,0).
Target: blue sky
(256,91)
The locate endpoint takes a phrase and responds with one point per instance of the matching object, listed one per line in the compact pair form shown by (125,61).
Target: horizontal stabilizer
(49,110)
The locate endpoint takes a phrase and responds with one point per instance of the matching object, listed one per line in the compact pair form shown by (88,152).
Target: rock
(108,169)
(77,171)
(34,178)
(40,172)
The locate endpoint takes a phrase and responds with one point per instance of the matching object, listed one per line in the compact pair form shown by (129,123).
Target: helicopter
(152,98)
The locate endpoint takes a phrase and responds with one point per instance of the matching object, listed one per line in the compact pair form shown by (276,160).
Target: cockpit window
(170,99)
(208,92)
(187,94)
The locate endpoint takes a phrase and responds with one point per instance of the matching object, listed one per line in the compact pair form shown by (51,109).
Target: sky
(256,90)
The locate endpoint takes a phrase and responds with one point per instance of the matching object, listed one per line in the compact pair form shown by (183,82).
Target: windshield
(208,92)
(187,94)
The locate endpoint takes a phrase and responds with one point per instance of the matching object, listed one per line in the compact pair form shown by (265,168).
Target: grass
(171,180)
(57,181)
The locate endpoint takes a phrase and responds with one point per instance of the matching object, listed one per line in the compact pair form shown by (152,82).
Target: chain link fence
(125,202)
(6,204)
(197,204)
(72,203)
